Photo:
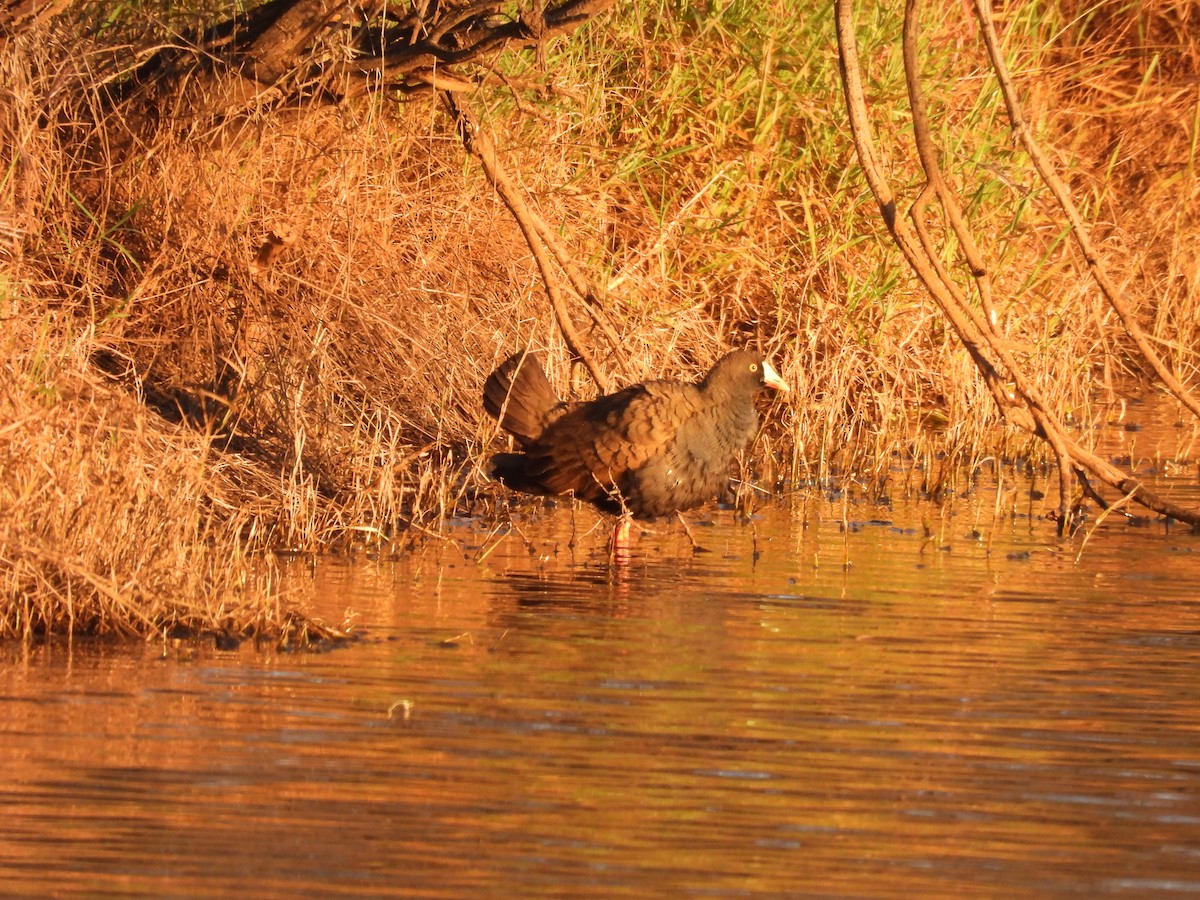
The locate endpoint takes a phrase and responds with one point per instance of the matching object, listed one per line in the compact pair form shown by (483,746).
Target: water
(839,700)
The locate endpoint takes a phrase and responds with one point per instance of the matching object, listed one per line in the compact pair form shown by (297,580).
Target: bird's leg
(618,549)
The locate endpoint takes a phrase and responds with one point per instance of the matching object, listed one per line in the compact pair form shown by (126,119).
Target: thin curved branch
(929,162)
(479,145)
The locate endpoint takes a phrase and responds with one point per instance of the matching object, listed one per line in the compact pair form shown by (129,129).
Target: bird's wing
(589,449)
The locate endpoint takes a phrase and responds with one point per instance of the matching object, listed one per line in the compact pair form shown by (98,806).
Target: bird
(649,450)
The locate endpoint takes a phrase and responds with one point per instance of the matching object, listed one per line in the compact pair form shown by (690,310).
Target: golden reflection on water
(827,702)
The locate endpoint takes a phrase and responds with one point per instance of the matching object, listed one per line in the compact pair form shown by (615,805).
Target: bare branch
(929,162)
(265,53)
(479,144)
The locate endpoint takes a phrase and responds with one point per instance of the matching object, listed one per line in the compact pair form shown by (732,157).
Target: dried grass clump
(107,521)
(338,360)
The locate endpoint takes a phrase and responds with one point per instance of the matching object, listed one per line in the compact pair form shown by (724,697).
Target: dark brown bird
(650,450)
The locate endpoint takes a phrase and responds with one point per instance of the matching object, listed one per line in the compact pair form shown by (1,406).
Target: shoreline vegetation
(239,321)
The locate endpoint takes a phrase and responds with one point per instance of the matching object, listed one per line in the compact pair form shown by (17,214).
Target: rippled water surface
(836,700)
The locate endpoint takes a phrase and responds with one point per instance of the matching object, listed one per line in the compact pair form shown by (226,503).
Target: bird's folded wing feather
(589,449)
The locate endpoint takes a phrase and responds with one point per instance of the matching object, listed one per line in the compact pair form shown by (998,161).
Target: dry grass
(111,523)
(1131,108)
(274,334)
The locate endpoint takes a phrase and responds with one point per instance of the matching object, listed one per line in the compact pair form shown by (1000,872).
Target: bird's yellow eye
(753,367)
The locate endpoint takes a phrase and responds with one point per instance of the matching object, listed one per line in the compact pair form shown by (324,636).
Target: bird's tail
(519,395)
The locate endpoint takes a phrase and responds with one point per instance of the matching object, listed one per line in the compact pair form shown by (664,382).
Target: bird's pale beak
(771,378)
